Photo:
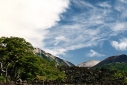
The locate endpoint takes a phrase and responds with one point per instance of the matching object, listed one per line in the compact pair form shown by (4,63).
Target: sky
(74,30)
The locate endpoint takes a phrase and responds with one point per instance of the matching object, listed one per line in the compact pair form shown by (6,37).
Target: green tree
(12,50)
(19,61)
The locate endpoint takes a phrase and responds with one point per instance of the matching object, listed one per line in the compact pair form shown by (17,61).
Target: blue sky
(90,29)
(75,30)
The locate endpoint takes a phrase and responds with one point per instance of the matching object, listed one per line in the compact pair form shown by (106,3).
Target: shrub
(2,79)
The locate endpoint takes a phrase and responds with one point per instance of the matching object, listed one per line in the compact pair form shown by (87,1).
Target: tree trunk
(1,68)
(6,75)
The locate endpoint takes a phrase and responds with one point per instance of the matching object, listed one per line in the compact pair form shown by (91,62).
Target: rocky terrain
(51,57)
(89,63)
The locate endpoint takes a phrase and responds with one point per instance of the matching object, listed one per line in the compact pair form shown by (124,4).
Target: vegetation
(56,60)
(94,76)
(19,62)
(122,66)
(119,67)
(2,79)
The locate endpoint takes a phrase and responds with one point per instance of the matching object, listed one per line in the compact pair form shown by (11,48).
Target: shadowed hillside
(112,59)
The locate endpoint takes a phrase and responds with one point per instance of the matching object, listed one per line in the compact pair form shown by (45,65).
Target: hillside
(19,62)
(116,66)
(51,57)
(113,59)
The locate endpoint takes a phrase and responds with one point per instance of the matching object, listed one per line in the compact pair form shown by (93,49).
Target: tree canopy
(19,61)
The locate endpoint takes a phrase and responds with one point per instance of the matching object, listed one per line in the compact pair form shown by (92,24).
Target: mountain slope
(112,59)
(50,57)
(89,63)
(116,65)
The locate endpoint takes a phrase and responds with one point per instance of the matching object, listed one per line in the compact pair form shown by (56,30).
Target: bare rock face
(51,57)
(89,63)
(112,59)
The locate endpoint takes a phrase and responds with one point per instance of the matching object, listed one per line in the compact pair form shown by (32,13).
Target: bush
(2,79)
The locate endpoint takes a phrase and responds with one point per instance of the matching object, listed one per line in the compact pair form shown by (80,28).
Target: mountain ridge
(51,57)
(113,59)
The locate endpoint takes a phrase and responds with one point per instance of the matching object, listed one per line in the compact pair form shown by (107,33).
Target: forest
(19,64)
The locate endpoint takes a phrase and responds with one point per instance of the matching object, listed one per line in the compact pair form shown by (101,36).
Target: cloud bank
(30,19)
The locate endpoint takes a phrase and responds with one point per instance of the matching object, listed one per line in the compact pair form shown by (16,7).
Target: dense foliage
(120,67)
(18,61)
(93,76)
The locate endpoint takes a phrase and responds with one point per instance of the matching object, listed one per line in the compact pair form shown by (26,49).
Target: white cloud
(60,39)
(81,4)
(93,53)
(120,6)
(120,26)
(124,1)
(105,4)
(30,18)
(121,45)
(55,52)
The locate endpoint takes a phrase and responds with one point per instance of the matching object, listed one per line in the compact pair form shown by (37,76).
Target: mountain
(113,59)
(121,66)
(51,57)
(89,63)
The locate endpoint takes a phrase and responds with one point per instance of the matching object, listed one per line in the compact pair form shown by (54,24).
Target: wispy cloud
(105,4)
(71,39)
(30,18)
(93,53)
(121,6)
(120,45)
(60,39)
(120,26)
(87,28)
